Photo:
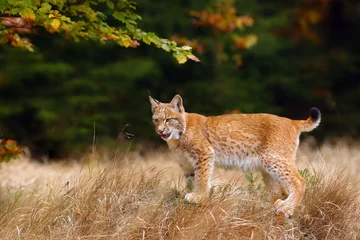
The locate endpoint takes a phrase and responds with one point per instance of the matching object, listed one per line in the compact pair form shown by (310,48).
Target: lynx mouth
(165,135)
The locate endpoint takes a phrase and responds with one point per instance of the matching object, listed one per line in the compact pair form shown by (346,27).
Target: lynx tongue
(164,136)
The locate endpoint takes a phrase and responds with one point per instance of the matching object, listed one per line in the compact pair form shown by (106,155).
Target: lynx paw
(192,198)
(283,207)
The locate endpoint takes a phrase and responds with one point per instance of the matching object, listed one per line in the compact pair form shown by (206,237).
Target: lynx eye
(155,120)
(168,120)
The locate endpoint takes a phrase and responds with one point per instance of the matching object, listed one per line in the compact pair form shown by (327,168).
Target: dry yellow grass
(134,197)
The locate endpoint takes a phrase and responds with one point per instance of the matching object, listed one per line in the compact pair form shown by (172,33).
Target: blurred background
(281,57)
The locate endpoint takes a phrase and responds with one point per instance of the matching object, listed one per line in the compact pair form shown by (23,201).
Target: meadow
(139,195)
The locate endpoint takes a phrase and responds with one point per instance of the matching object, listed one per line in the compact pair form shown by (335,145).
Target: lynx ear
(154,103)
(177,103)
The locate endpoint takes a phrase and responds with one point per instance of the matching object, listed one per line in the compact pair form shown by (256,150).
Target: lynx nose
(161,130)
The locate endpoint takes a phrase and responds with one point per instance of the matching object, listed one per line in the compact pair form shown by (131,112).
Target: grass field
(141,197)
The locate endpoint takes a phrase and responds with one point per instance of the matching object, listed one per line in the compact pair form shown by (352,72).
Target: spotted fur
(251,142)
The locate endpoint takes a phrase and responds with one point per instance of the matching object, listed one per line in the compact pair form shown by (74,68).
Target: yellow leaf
(125,40)
(181,58)
(126,43)
(55,23)
(251,40)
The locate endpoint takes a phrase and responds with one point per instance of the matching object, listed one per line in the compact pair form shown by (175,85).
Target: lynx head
(169,118)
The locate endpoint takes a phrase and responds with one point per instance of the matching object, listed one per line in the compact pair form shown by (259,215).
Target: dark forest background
(303,53)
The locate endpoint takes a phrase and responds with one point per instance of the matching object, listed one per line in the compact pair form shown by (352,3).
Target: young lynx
(251,142)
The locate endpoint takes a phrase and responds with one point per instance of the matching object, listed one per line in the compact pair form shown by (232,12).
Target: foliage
(78,19)
(9,150)
(225,27)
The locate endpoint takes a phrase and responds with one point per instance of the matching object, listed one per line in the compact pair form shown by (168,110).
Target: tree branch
(17,24)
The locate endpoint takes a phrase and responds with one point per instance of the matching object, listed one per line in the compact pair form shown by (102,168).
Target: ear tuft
(154,103)
(177,103)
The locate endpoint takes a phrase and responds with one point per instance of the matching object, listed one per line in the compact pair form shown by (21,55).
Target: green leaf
(12,2)
(133,22)
(165,47)
(153,38)
(3,5)
(7,157)
(45,7)
(119,16)
(110,4)
(146,40)
(15,10)
(120,5)
(130,27)
(65,19)
(186,48)
(28,3)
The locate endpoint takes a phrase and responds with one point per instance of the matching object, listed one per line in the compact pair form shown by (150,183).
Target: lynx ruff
(252,142)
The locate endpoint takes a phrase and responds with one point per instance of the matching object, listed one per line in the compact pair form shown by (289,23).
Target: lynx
(252,142)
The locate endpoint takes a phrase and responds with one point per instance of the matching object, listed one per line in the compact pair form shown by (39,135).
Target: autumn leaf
(251,41)
(55,23)
(17,41)
(180,58)
(125,41)
(9,150)
(193,57)
(245,42)
(27,14)
(8,142)
(221,17)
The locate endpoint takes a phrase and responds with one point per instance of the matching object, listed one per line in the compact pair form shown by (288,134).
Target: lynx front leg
(202,182)
(189,174)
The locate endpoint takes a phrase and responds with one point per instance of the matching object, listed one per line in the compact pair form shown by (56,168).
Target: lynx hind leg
(275,189)
(289,178)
